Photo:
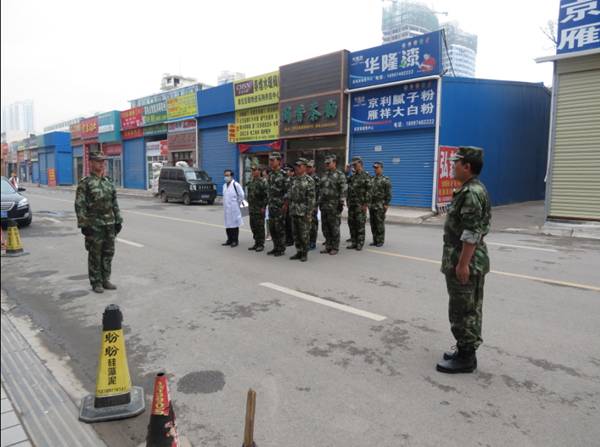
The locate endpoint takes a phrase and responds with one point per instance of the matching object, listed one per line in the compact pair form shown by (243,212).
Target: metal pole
(438,114)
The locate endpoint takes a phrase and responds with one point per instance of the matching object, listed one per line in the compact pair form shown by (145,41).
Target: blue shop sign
(397,61)
(578,26)
(407,106)
(109,126)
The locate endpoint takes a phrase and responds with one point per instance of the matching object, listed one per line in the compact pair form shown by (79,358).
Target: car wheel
(163,197)
(211,201)
(186,199)
(25,223)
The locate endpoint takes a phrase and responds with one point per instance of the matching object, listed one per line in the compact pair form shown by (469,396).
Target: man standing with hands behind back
(100,221)
(465,260)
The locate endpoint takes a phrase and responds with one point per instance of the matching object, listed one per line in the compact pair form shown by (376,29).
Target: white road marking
(134,244)
(526,247)
(51,219)
(314,299)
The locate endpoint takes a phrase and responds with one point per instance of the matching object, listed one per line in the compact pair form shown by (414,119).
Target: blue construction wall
(134,164)
(510,120)
(57,153)
(216,100)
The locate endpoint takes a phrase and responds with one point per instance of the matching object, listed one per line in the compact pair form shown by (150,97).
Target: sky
(79,57)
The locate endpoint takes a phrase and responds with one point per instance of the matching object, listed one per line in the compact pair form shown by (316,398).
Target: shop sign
(89,128)
(181,126)
(257,124)
(20,156)
(578,26)
(317,115)
(257,91)
(164,148)
(231,133)
(181,141)
(75,130)
(130,134)
(106,122)
(4,151)
(446,183)
(182,106)
(51,177)
(397,61)
(152,149)
(157,129)
(132,118)
(34,155)
(155,113)
(111,150)
(407,106)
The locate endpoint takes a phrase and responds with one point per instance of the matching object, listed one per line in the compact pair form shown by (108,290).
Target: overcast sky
(75,58)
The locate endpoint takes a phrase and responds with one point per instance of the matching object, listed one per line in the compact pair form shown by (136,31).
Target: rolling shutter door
(217,154)
(575,181)
(134,164)
(408,162)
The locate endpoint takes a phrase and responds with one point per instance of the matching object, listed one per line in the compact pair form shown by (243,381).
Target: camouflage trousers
(101,249)
(465,310)
(277,228)
(301,226)
(377,220)
(257,225)
(330,225)
(314,228)
(357,218)
(289,230)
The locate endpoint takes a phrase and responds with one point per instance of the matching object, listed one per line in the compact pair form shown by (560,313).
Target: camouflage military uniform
(277,192)
(302,203)
(332,192)
(468,220)
(381,196)
(98,212)
(289,232)
(359,192)
(314,226)
(258,195)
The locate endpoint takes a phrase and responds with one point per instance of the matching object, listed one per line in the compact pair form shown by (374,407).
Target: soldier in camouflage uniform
(100,221)
(277,194)
(258,195)
(302,204)
(381,196)
(359,193)
(465,260)
(289,232)
(332,192)
(314,226)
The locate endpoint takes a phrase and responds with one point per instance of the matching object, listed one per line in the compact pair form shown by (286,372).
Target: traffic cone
(13,244)
(162,429)
(115,398)
(249,425)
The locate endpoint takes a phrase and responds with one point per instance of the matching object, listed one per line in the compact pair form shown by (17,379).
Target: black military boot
(259,248)
(272,252)
(303,257)
(464,361)
(252,248)
(279,253)
(98,288)
(449,355)
(352,246)
(109,285)
(372,244)
(358,247)
(298,255)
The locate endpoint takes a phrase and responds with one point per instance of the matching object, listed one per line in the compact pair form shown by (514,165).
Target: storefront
(109,137)
(215,113)
(573,176)
(155,138)
(77,145)
(312,109)
(256,129)
(89,140)
(182,131)
(55,156)
(132,134)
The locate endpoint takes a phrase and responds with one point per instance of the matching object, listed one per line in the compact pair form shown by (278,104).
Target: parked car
(186,184)
(14,206)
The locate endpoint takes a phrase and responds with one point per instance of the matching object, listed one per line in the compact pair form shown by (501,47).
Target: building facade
(18,117)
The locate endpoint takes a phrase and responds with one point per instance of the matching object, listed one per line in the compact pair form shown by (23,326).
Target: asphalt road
(219,320)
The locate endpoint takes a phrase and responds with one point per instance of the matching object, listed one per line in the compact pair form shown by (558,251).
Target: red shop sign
(111,150)
(446,184)
(132,118)
(164,148)
(132,133)
(89,128)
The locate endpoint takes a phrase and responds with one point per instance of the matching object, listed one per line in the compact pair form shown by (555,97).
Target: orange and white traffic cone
(14,247)
(162,430)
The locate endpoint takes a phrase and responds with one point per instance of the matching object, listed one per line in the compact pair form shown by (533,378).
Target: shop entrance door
(77,168)
(114,170)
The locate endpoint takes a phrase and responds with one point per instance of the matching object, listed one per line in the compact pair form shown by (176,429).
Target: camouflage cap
(310,163)
(468,153)
(301,161)
(356,160)
(254,165)
(329,158)
(97,156)
(378,164)
(275,156)
(288,167)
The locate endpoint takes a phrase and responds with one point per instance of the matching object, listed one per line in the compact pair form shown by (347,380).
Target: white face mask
(227,179)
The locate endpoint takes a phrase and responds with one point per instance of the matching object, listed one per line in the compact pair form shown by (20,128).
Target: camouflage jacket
(381,191)
(302,196)
(96,202)
(468,220)
(317,181)
(332,191)
(277,190)
(359,189)
(258,194)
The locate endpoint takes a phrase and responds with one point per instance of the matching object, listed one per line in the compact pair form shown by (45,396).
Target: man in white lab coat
(233,194)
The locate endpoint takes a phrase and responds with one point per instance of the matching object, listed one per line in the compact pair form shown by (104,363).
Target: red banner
(111,150)
(164,148)
(446,184)
(274,146)
(132,133)
(132,118)
(182,125)
(51,177)
(86,160)
(89,128)
(75,130)
(182,141)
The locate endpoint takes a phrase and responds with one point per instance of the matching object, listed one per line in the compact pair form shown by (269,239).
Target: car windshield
(196,175)
(7,187)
